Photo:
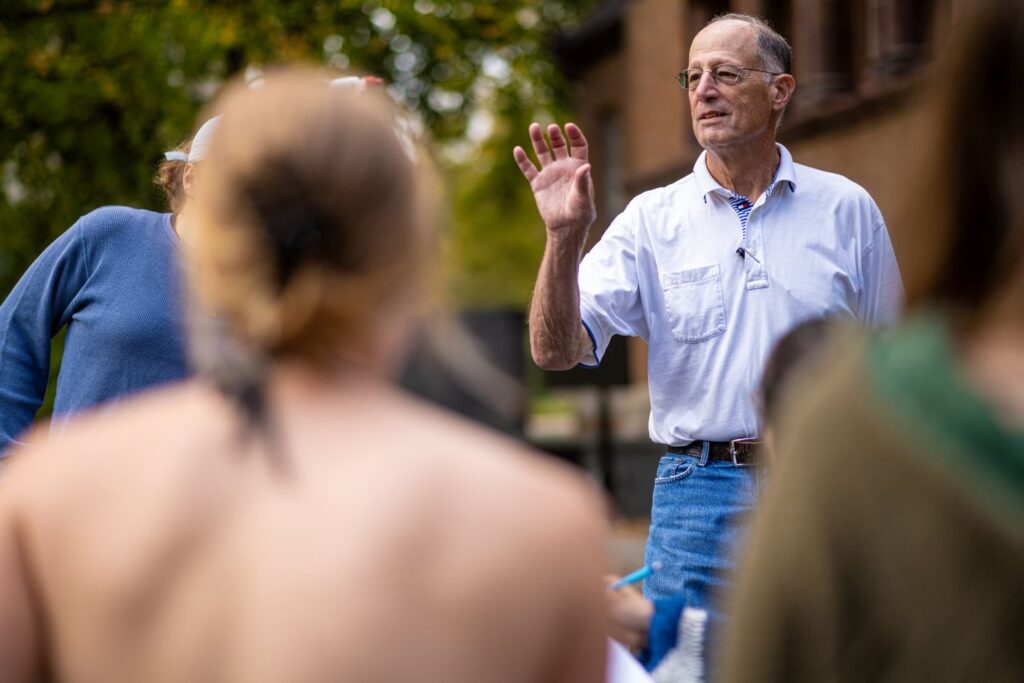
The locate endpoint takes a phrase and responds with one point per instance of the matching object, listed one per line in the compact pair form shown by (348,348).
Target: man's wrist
(571,235)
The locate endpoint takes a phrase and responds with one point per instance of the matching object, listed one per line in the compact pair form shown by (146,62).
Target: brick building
(859,65)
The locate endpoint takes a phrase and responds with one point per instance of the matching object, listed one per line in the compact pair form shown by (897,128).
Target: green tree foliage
(93,91)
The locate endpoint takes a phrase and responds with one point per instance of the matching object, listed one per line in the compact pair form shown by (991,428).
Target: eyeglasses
(723,74)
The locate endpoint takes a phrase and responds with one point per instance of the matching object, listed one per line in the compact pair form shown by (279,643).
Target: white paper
(624,667)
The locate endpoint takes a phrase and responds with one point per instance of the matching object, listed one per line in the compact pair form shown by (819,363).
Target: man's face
(727,116)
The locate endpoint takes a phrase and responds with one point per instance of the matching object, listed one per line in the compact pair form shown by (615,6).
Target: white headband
(200,143)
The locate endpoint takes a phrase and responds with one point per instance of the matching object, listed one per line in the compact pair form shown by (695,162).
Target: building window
(778,13)
(842,19)
(904,28)
(828,44)
(700,13)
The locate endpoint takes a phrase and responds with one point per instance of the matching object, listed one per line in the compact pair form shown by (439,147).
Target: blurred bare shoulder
(503,469)
(524,537)
(114,452)
(507,514)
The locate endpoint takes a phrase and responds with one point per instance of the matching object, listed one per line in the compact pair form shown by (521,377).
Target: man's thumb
(582,178)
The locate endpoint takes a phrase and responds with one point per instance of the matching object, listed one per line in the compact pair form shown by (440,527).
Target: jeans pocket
(675,468)
(694,305)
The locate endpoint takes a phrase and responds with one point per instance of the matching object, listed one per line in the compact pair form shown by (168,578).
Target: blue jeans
(697,522)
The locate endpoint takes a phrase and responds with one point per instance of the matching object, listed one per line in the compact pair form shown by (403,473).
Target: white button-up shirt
(668,270)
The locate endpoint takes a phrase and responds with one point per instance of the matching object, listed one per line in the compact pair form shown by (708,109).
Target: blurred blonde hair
(314,221)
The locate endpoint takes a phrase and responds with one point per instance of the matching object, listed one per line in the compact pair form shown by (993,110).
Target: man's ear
(782,91)
(188,180)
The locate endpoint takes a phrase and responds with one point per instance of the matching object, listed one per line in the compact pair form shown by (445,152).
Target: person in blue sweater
(112,279)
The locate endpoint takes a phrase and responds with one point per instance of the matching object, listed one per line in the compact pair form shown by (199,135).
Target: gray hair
(775,51)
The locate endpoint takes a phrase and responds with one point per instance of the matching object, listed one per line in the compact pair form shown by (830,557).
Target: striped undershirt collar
(742,205)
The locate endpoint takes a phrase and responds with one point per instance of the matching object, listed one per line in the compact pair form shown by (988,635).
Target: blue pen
(638,575)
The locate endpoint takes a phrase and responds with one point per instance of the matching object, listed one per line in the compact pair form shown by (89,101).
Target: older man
(709,271)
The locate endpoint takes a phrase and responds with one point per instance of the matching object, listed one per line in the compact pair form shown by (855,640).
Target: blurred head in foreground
(314,226)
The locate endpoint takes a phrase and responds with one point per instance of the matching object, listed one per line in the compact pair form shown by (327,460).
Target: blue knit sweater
(113,278)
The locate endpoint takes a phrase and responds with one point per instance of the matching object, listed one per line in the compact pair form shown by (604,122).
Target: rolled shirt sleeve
(610,301)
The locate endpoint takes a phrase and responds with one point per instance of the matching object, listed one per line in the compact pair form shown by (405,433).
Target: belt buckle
(750,444)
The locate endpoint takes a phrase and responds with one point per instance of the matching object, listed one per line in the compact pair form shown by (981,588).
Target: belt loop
(704,450)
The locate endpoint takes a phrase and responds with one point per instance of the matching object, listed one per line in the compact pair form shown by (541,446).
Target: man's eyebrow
(712,64)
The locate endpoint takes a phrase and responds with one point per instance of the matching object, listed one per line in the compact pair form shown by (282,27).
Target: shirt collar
(707,184)
(787,169)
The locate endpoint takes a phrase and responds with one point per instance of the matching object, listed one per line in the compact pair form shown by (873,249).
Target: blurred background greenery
(93,91)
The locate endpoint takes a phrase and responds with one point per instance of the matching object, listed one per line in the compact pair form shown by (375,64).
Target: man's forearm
(555,328)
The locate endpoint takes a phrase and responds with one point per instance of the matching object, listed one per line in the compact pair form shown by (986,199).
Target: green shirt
(890,544)
(915,373)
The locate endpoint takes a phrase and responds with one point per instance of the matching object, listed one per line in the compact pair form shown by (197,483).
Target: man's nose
(706,86)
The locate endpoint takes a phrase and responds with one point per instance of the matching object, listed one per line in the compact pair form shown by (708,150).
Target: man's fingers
(577,141)
(540,145)
(524,163)
(559,147)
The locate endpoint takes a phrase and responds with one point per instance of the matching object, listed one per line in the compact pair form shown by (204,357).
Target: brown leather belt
(740,452)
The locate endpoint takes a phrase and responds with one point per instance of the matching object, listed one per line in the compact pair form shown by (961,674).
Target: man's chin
(712,142)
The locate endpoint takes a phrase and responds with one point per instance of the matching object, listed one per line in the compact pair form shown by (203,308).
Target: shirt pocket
(694,305)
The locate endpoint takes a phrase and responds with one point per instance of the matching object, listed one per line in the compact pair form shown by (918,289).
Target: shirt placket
(753,243)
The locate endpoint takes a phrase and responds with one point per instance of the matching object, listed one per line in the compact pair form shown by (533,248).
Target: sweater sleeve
(37,308)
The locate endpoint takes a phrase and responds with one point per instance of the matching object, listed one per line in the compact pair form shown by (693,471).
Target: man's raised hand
(562,186)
